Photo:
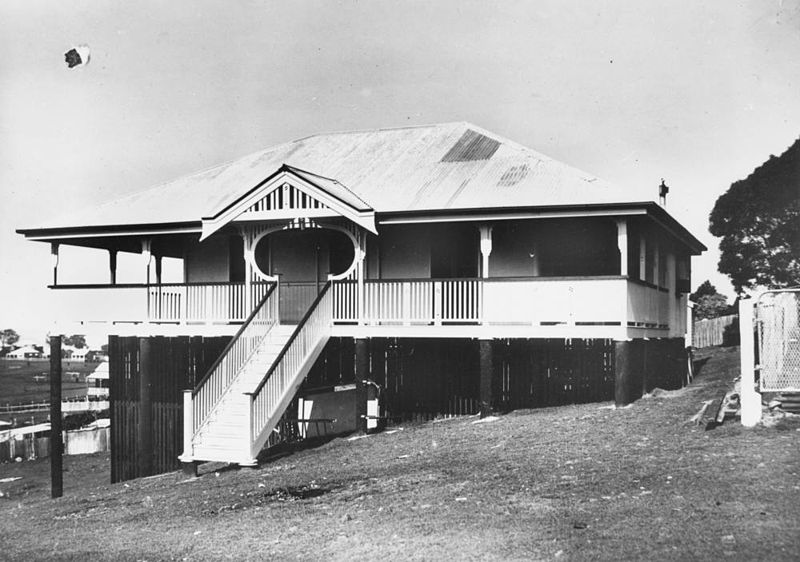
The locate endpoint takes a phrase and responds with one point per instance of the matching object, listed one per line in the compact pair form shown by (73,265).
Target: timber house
(420,272)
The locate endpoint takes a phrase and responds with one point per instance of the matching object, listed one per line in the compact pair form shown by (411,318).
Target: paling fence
(77,442)
(712,331)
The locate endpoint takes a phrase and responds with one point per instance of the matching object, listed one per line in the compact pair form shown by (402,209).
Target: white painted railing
(269,400)
(224,371)
(512,301)
(554,301)
(419,301)
(203,302)
(648,305)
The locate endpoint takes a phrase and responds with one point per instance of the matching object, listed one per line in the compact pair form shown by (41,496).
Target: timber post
(187,458)
(56,443)
(362,375)
(145,427)
(487,372)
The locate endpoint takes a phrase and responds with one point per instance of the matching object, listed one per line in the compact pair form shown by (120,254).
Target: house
(451,269)
(25,352)
(97,381)
(73,353)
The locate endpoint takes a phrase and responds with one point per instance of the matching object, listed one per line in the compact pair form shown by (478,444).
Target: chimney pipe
(663,189)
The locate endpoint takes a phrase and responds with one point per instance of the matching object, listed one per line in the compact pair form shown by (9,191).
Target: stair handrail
(209,390)
(314,325)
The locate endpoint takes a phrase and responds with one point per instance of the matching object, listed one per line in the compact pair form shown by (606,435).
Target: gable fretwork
(294,195)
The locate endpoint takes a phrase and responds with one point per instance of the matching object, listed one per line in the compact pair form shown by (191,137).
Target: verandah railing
(210,389)
(276,389)
(203,302)
(410,301)
(546,301)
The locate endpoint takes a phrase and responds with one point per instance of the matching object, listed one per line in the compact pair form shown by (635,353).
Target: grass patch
(580,482)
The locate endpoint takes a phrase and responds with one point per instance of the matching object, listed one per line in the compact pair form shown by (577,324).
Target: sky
(698,93)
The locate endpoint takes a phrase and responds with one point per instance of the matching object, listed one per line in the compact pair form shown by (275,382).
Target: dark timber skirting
(426,378)
(644,365)
(421,379)
(147,378)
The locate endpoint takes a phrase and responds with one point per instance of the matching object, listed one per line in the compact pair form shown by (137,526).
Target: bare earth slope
(571,483)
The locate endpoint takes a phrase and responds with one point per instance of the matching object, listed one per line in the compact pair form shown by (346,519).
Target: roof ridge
(381,129)
(334,180)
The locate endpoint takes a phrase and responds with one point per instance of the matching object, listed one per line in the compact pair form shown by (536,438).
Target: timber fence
(714,331)
(77,442)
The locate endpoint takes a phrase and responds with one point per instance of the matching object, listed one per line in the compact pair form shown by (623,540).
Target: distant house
(449,269)
(97,381)
(26,352)
(73,353)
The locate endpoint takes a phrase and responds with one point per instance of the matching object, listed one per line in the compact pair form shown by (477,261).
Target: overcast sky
(699,93)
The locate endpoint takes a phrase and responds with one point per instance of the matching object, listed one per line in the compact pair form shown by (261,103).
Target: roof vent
(471,146)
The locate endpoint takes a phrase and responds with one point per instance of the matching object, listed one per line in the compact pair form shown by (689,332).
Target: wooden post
(146,258)
(145,427)
(54,258)
(642,258)
(622,244)
(112,267)
(56,444)
(751,399)
(487,373)
(158,270)
(187,458)
(437,303)
(628,371)
(486,249)
(362,374)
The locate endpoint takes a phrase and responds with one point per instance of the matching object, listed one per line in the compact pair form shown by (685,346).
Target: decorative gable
(291,194)
(286,197)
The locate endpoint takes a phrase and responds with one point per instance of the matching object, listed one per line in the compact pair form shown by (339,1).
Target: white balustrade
(271,397)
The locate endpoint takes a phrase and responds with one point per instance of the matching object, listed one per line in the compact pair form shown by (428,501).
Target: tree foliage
(758,219)
(705,289)
(708,302)
(9,337)
(77,341)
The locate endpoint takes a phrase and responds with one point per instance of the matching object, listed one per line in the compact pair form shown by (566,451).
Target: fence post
(751,399)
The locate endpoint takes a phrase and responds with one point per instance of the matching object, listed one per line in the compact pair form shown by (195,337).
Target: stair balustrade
(279,385)
(211,388)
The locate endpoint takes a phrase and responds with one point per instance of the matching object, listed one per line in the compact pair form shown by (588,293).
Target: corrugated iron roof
(428,168)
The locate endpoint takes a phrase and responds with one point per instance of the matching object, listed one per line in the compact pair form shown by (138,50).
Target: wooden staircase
(225,434)
(229,416)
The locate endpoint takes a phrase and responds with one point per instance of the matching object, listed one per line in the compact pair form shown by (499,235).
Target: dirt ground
(580,482)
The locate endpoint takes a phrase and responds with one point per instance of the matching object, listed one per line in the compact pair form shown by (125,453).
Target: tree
(708,302)
(758,219)
(77,341)
(711,306)
(705,289)
(9,337)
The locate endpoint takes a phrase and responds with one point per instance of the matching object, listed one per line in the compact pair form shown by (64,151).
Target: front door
(302,260)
